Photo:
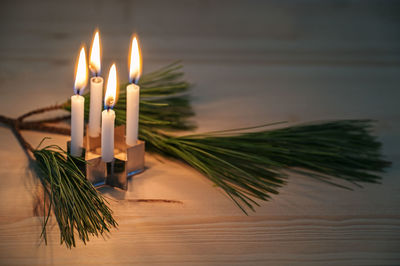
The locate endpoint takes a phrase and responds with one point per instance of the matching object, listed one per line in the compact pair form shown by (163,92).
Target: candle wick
(78,91)
(133,81)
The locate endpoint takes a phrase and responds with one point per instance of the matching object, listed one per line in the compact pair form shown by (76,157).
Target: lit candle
(78,105)
(108,117)
(96,87)
(132,94)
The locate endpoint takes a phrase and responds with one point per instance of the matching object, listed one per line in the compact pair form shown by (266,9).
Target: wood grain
(251,62)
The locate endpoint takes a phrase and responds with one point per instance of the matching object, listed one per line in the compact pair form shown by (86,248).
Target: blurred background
(251,61)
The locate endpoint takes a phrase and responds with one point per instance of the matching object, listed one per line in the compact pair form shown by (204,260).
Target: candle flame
(135,66)
(94,63)
(111,92)
(81,73)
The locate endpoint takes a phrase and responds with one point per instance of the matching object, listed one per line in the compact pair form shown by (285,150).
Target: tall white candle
(108,117)
(96,99)
(132,94)
(96,87)
(107,135)
(132,113)
(78,106)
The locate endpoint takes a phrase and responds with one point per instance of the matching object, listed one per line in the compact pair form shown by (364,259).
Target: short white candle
(108,117)
(107,135)
(77,119)
(96,99)
(78,105)
(96,87)
(132,94)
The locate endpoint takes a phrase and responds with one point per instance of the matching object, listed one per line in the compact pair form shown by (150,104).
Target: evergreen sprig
(76,204)
(164,103)
(252,165)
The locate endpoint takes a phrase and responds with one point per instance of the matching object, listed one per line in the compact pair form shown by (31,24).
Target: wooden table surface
(251,62)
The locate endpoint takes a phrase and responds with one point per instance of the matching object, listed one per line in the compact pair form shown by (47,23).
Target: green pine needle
(78,207)
(249,166)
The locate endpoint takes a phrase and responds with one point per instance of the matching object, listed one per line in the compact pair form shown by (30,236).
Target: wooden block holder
(128,162)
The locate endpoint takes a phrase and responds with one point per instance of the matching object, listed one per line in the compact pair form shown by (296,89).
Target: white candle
(107,135)
(96,87)
(96,99)
(77,119)
(132,113)
(108,117)
(78,105)
(132,94)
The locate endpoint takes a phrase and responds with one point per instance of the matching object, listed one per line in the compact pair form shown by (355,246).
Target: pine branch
(77,205)
(250,166)
(41,110)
